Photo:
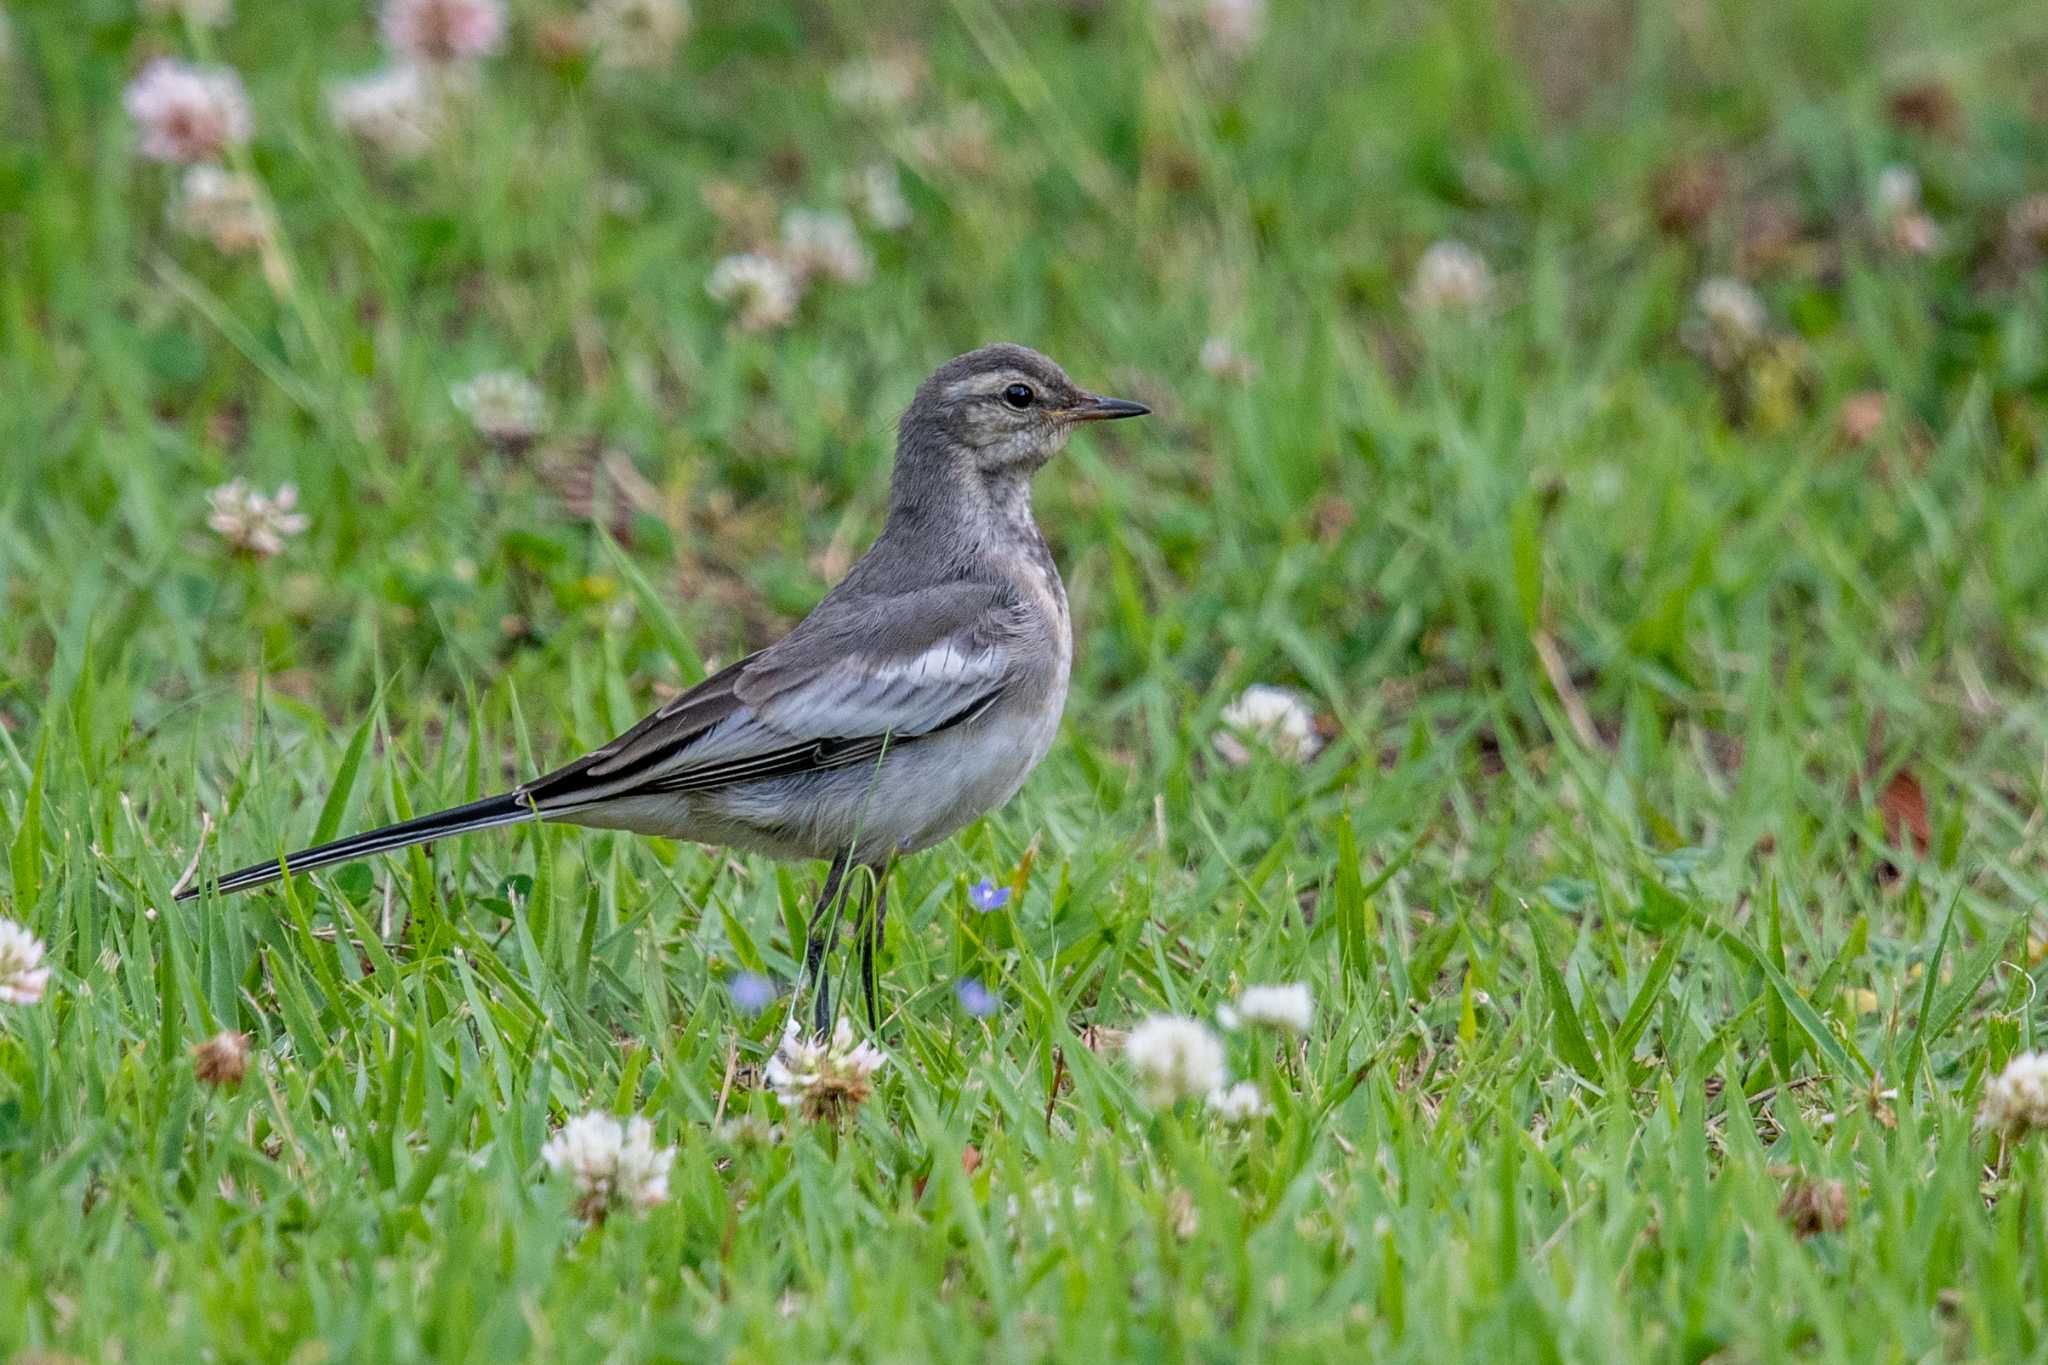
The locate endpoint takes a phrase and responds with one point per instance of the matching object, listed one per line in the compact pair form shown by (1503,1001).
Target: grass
(1677,843)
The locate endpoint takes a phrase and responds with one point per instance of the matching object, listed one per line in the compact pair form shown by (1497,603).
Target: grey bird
(916,697)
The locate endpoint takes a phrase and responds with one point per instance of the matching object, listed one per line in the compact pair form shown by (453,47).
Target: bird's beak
(1095,408)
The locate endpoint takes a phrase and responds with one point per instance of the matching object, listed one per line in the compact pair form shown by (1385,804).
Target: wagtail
(915,698)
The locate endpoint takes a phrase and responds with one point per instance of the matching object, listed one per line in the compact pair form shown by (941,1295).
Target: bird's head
(1004,410)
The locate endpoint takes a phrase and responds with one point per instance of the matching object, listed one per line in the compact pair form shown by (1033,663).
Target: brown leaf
(1901,803)
(1772,234)
(1332,516)
(970,1159)
(1686,196)
(560,42)
(1903,807)
(1927,107)
(1861,416)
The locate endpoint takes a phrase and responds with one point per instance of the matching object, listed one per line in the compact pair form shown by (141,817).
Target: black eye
(1018,396)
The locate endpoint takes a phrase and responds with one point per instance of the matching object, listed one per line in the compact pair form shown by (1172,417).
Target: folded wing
(860,676)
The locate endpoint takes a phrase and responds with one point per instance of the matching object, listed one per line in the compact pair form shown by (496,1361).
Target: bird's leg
(854,887)
(868,937)
(871,945)
(861,920)
(814,939)
(827,904)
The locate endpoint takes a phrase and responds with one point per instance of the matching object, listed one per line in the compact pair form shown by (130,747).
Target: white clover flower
(2016,1100)
(1726,324)
(221,207)
(1811,1207)
(398,111)
(1270,716)
(1240,1103)
(1048,1201)
(962,141)
(23,977)
(623,198)
(2027,223)
(1221,359)
(1450,278)
(748,1130)
(1732,306)
(1235,26)
(615,1165)
(221,1060)
(636,33)
(187,113)
(1287,1006)
(1906,225)
(876,85)
(204,13)
(1897,190)
(758,288)
(1914,234)
(443,31)
(504,406)
(824,244)
(1175,1059)
(878,196)
(824,1079)
(254,523)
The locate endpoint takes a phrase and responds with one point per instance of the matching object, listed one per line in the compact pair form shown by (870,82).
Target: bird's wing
(859,674)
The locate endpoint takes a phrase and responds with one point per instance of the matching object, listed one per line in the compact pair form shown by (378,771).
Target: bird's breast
(1040,713)
(1039,578)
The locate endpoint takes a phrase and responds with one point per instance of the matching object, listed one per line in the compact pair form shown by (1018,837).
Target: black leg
(858,897)
(871,945)
(814,938)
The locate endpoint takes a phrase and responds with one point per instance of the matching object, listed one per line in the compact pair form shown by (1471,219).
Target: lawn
(1619,428)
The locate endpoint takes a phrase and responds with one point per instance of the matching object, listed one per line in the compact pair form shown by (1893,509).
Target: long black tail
(488,813)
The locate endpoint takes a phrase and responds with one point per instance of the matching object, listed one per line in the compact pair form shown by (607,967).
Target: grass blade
(1566,1032)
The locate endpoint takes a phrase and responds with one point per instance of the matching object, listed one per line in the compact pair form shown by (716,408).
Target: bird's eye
(1018,396)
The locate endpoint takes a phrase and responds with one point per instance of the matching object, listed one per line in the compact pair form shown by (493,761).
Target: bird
(915,697)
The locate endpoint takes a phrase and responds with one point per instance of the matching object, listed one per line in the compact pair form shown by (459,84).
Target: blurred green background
(1621,425)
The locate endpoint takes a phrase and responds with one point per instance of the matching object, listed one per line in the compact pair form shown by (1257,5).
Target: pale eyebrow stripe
(987,384)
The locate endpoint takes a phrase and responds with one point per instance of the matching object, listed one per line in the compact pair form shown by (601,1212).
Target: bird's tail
(488,813)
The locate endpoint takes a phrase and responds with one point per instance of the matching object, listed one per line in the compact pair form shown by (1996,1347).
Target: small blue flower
(977,999)
(985,896)
(752,992)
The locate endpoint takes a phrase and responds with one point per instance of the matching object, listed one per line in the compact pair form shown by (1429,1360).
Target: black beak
(1095,408)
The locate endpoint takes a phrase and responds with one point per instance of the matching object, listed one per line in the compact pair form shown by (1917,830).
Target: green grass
(1611,937)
